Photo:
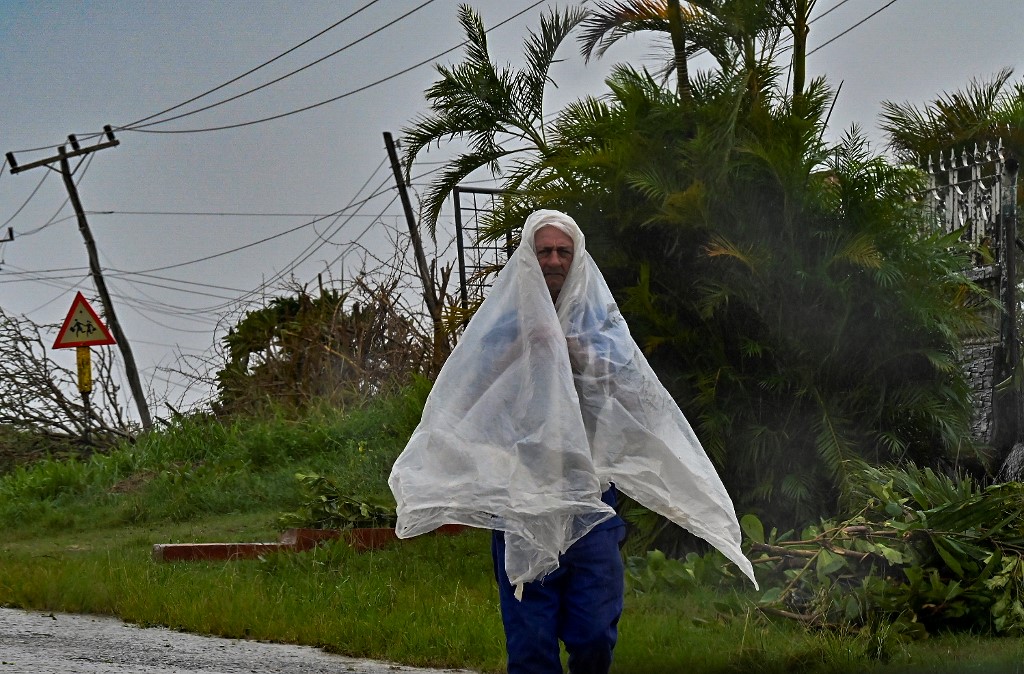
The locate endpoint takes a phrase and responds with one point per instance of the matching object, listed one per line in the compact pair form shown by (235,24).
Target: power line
(22,207)
(53,219)
(47,271)
(231,81)
(125,275)
(379,190)
(192,313)
(866,18)
(309,251)
(356,240)
(313,248)
(259,67)
(128,278)
(335,98)
(149,318)
(265,239)
(63,293)
(53,282)
(173,311)
(118,273)
(138,127)
(216,214)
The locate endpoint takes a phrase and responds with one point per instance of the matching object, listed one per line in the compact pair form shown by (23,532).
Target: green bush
(204,465)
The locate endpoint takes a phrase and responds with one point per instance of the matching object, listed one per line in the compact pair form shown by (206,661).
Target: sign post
(84,358)
(82,329)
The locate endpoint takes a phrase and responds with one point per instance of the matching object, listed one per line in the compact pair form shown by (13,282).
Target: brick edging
(291,540)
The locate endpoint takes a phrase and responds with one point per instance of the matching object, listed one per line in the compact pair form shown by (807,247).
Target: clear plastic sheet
(538,408)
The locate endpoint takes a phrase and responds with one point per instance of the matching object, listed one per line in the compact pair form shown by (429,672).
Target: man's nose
(549,259)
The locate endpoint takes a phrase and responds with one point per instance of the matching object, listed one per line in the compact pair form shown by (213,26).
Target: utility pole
(430,295)
(131,370)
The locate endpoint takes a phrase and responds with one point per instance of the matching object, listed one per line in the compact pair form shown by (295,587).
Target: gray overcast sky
(71,66)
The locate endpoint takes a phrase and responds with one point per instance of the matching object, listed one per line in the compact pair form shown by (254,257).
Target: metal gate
(976,193)
(478,259)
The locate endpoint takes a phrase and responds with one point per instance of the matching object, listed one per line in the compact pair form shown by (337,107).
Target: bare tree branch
(39,395)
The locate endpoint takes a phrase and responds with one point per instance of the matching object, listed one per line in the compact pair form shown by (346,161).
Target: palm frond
(539,52)
(948,121)
(453,174)
(719,246)
(861,250)
(832,444)
(609,22)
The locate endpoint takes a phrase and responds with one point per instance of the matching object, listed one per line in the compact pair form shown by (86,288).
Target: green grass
(429,602)
(202,467)
(78,537)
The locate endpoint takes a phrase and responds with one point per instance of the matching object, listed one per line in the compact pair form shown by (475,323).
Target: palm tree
(610,22)
(498,111)
(742,35)
(985,111)
(780,287)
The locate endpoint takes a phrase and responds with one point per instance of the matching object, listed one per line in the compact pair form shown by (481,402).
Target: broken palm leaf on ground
(918,551)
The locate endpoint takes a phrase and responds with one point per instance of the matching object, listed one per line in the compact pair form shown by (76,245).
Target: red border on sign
(102,339)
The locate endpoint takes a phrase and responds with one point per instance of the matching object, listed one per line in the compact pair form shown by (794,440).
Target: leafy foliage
(655,572)
(325,506)
(921,550)
(498,110)
(985,111)
(786,290)
(918,553)
(337,347)
(203,465)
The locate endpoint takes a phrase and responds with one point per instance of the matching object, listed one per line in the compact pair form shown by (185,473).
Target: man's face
(554,253)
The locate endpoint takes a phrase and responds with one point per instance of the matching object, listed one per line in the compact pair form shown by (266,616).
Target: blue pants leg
(592,601)
(579,603)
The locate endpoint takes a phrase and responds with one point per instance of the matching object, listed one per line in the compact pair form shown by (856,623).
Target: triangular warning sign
(82,327)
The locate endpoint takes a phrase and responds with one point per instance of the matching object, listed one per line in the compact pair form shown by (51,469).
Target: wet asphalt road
(45,643)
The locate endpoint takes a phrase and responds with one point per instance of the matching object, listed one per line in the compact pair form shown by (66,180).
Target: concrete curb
(292,540)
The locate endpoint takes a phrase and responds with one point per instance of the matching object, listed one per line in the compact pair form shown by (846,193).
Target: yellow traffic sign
(82,327)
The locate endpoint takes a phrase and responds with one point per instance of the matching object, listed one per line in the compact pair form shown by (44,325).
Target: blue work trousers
(580,603)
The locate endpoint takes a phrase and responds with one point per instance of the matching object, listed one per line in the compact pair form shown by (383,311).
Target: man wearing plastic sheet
(542,411)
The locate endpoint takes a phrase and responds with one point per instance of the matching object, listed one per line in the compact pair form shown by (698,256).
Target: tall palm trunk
(801,12)
(677,30)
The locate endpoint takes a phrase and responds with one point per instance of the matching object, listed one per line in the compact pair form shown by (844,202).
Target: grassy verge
(428,602)
(78,537)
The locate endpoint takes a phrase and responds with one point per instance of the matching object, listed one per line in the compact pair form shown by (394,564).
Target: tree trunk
(678,32)
(801,12)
